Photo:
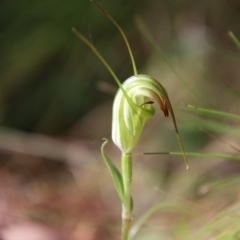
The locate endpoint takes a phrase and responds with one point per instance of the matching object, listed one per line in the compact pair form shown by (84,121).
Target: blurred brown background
(56,98)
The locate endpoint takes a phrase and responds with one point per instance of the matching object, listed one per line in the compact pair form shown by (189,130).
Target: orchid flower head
(131,114)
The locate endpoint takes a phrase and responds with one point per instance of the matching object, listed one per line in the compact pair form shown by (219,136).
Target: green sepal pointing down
(116,175)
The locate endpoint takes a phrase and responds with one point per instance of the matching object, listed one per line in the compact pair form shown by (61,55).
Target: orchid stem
(127,203)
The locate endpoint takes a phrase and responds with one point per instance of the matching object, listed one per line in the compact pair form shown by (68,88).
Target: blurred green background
(56,98)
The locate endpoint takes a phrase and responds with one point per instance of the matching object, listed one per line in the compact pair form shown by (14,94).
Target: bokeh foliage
(43,66)
(48,77)
(51,83)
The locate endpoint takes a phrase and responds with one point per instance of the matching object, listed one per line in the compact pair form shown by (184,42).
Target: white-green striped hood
(131,113)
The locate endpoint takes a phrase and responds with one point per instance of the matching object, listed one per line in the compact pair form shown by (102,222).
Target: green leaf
(116,175)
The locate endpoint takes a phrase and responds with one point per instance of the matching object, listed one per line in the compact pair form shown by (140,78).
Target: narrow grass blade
(194,154)
(219,222)
(220,140)
(234,39)
(214,112)
(144,31)
(159,207)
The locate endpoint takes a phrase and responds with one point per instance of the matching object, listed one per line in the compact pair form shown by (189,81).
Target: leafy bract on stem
(116,175)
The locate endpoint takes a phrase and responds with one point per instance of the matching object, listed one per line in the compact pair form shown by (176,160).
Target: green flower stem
(127,201)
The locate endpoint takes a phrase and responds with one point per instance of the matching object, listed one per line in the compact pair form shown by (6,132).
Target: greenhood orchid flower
(130,114)
(132,108)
